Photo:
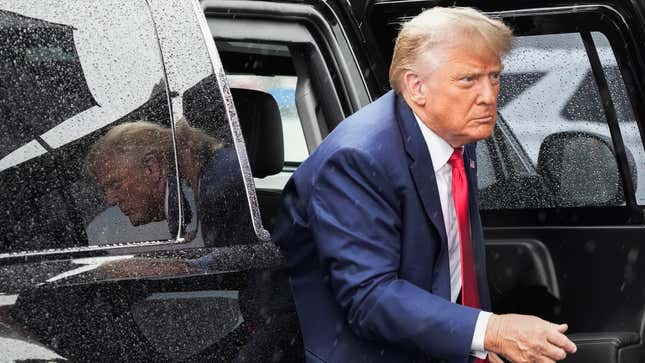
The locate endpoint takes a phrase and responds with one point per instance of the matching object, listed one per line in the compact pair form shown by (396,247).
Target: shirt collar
(440,150)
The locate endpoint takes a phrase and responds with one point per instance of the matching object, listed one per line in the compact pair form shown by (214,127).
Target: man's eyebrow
(475,71)
(465,73)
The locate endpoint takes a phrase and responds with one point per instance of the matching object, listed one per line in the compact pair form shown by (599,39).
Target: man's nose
(488,93)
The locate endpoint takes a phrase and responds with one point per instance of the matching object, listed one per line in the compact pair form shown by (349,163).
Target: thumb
(562,328)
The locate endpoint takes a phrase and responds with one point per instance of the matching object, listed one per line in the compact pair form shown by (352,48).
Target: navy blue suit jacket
(363,233)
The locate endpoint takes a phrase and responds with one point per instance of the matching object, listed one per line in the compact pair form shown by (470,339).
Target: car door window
(285,64)
(215,204)
(270,69)
(286,60)
(554,148)
(626,118)
(72,79)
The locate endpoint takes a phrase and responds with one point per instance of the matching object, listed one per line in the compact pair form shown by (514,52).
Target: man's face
(459,97)
(137,189)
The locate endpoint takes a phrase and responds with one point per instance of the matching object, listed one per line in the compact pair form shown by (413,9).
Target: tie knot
(457,157)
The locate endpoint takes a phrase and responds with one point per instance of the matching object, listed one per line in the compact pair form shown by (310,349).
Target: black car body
(561,183)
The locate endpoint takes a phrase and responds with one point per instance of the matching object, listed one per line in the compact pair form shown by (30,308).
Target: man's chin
(483,132)
(473,138)
(486,134)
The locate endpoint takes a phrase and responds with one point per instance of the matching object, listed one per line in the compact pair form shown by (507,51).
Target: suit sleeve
(355,218)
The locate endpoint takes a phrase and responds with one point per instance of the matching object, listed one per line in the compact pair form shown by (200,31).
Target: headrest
(262,130)
(581,170)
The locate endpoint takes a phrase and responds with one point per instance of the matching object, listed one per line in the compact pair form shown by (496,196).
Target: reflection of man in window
(131,163)
(134,163)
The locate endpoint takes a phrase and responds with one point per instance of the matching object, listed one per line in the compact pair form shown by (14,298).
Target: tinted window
(213,205)
(553,142)
(70,76)
(627,120)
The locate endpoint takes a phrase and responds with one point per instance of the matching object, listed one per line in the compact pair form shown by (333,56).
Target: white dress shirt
(440,152)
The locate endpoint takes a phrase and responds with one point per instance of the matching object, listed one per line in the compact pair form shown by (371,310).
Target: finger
(561,340)
(545,360)
(562,328)
(553,352)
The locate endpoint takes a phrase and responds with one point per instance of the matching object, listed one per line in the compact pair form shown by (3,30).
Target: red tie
(469,292)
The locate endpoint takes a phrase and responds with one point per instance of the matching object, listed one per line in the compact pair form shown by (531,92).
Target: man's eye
(495,76)
(467,79)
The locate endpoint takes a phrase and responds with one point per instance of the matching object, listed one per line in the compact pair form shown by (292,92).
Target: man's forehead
(469,57)
(110,165)
(118,159)
(469,65)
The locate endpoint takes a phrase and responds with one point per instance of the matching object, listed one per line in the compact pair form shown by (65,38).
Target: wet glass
(133,142)
(213,192)
(624,112)
(547,99)
(75,77)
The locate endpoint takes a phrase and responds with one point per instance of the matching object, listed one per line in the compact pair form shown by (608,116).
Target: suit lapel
(426,185)
(477,235)
(421,167)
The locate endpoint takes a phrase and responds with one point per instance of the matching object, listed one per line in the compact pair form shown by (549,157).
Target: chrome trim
(238,139)
(557,10)
(180,218)
(532,11)
(123,245)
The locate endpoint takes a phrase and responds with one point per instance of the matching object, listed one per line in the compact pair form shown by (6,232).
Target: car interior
(264,135)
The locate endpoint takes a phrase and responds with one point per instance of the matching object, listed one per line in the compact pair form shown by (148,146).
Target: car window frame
(631,213)
(341,69)
(299,37)
(176,241)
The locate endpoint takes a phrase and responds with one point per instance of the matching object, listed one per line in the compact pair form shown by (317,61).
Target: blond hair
(132,141)
(443,26)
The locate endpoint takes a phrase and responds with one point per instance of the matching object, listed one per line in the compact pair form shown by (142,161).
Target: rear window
(69,75)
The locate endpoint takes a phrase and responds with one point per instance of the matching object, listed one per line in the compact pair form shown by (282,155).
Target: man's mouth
(484,119)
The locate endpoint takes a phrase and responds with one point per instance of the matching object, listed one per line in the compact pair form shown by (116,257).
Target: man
(380,225)
(131,164)
(134,164)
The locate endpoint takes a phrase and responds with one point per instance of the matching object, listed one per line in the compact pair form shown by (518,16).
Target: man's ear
(153,165)
(415,88)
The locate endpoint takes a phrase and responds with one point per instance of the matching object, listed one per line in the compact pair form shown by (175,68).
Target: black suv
(145,143)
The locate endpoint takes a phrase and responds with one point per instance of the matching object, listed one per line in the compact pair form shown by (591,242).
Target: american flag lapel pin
(472,164)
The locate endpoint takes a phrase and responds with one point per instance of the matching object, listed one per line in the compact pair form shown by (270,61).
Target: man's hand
(527,339)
